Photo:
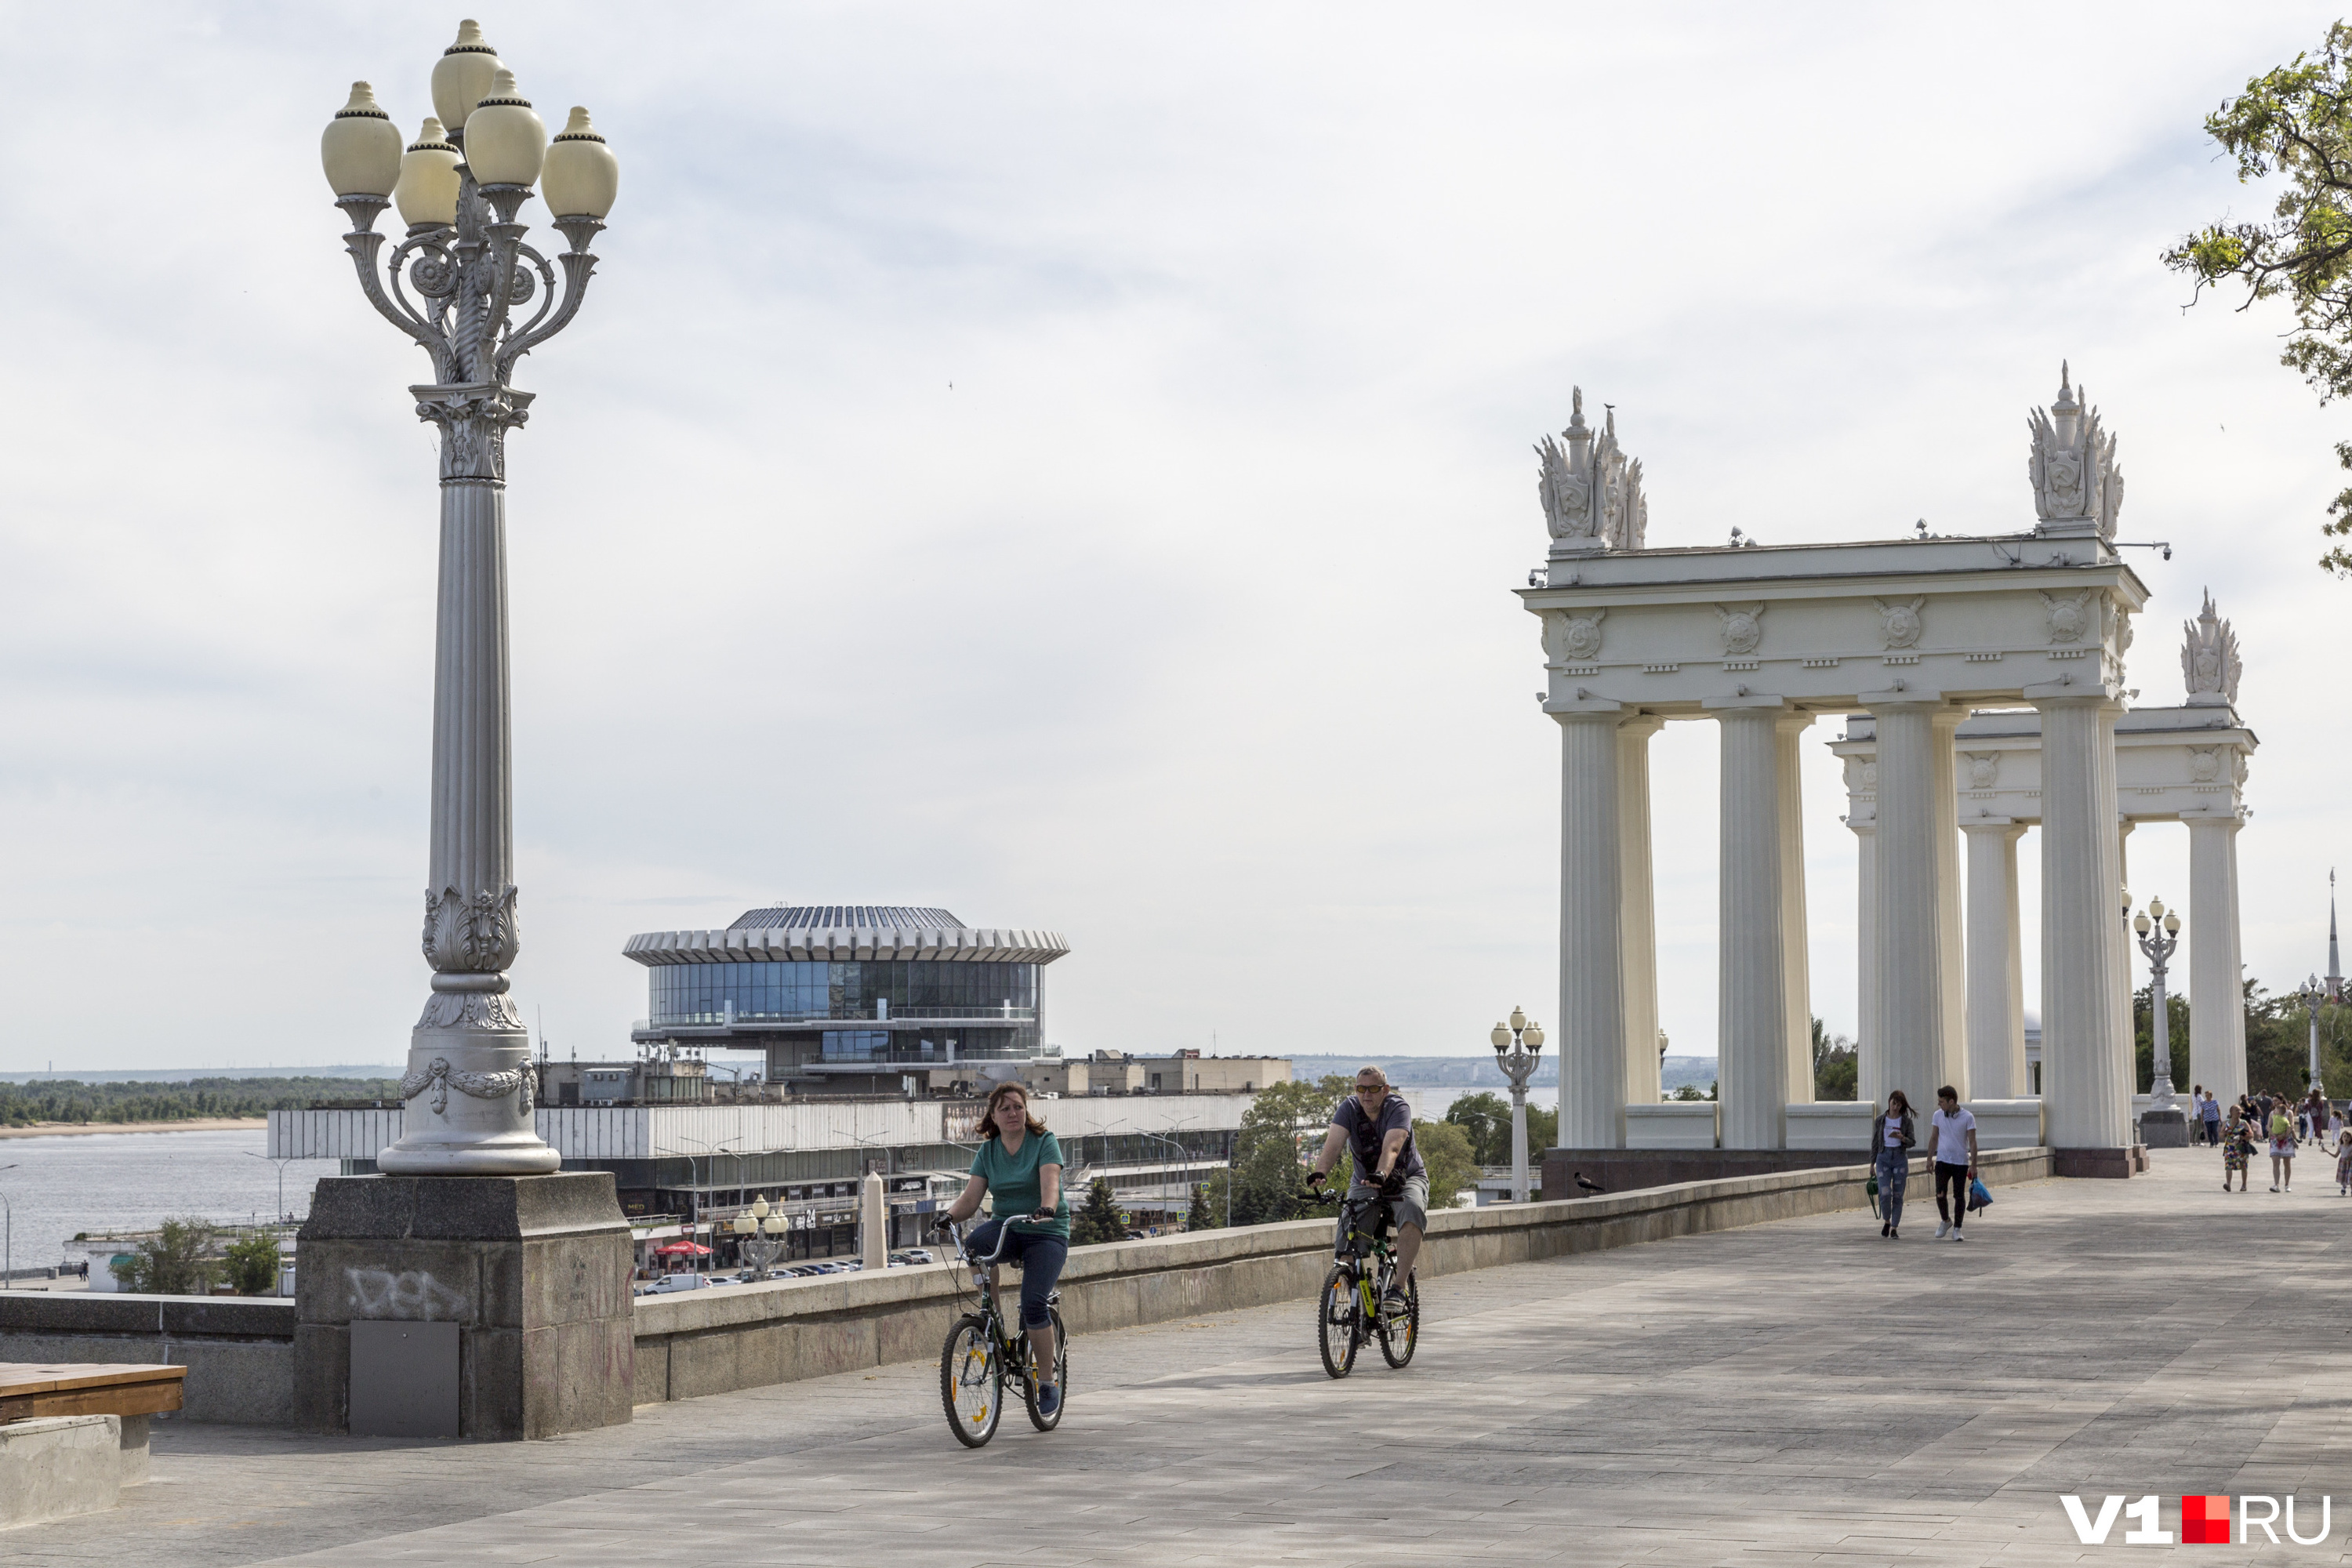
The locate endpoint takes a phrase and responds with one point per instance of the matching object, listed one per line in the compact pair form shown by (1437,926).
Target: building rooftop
(846,916)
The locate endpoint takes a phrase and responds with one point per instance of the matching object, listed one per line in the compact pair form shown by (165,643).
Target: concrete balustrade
(240,1353)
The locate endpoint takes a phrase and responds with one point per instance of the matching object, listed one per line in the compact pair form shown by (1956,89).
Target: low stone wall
(240,1353)
(239,1350)
(712,1341)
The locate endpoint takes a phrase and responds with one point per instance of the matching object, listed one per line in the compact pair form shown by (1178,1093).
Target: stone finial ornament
(1591,491)
(2077,488)
(2208,659)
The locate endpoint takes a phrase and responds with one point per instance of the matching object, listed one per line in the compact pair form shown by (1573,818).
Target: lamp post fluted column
(2159,931)
(1516,1045)
(465,288)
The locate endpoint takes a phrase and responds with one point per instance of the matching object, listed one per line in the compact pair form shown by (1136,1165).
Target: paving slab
(1796,1392)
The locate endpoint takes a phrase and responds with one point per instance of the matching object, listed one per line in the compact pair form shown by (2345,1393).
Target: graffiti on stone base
(416,1295)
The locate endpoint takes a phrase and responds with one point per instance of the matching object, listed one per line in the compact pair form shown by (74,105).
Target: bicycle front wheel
(1399,1332)
(1061,1377)
(1337,1312)
(972,1382)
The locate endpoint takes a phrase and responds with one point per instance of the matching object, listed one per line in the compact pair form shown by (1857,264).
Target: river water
(132,1180)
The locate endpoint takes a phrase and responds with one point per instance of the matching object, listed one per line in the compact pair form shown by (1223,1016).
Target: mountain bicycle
(1348,1309)
(984,1352)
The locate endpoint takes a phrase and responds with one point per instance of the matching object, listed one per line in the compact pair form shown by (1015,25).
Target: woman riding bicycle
(1021,1165)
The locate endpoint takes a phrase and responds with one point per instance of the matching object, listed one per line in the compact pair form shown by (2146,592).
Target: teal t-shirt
(1013,1179)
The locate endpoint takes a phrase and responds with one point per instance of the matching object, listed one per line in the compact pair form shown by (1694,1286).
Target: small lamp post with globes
(1516,1045)
(2315,995)
(462,283)
(763,1234)
(2159,931)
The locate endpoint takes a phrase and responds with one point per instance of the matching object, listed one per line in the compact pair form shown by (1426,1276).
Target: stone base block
(2106,1164)
(60,1466)
(534,1270)
(2164,1129)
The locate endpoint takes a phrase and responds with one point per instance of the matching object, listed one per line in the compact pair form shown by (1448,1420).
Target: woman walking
(2237,1148)
(1891,1133)
(2281,1149)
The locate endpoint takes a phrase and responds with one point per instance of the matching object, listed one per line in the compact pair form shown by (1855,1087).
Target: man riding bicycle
(1375,1126)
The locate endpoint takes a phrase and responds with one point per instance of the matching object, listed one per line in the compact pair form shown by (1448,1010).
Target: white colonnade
(1907,638)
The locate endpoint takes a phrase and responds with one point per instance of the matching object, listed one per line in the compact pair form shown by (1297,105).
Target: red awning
(682,1249)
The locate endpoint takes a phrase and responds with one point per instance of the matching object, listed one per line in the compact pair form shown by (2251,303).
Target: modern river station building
(854,998)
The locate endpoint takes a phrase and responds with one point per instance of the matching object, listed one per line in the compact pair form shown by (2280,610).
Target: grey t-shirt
(1366,1133)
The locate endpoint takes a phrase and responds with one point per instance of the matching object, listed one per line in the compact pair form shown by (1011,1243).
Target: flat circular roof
(856,932)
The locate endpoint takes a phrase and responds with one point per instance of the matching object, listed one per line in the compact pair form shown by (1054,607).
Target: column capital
(1900,697)
(1988,823)
(1641,725)
(2066,688)
(1583,709)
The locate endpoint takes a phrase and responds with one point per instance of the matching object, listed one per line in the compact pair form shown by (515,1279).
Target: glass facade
(830,989)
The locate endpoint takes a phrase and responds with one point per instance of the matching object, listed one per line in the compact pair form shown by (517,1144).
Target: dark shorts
(1041,1258)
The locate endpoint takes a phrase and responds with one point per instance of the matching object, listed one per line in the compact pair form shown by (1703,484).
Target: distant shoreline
(80,1129)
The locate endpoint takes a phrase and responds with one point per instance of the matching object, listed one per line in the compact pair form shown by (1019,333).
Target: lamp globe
(360,147)
(506,142)
(581,175)
(427,190)
(463,76)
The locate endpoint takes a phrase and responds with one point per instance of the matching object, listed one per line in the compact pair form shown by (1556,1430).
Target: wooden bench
(29,1390)
(41,1390)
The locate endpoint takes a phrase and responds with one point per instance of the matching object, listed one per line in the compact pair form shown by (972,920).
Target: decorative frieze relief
(1899,625)
(488,1011)
(1743,629)
(1573,636)
(2070,616)
(441,1078)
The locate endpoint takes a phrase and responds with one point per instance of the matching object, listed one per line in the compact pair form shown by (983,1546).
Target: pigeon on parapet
(1587,1186)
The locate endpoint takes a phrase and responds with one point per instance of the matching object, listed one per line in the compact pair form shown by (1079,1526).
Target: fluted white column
(1951,951)
(1996,961)
(2087,1038)
(1591,959)
(1796,951)
(1870,1066)
(2217,1013)
(1752,1044)
(1638,925)
(1910,947)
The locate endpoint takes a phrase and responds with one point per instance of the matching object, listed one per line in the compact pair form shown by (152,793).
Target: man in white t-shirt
(1952,1144)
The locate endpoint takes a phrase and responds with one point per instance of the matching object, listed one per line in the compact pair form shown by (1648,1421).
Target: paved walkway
(1787,1391)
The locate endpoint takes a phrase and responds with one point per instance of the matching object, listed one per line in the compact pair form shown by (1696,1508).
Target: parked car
(670,1284)
(913,1255)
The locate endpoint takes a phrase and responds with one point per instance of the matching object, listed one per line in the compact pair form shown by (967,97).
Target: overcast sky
(1069,464)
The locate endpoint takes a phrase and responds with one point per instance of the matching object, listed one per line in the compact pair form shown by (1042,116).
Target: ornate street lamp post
(2314,994)
(2159,933)
(763,1235)
(481,300)
(1516,1045)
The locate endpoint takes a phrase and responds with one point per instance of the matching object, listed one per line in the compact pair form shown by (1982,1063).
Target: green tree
(1282,1125)
(2294,121)
(252,1264)
(1199,1216)
(1447,1155)
(173,1263)
(1485,1120)
(1836,1064)
(1097,1220)
(2176,1013)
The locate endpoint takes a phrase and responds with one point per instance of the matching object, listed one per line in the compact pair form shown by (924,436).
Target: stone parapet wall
(240,1353)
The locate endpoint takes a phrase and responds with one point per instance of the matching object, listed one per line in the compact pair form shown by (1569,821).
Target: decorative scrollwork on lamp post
(2159,931)
(467,288)
(1516,1045)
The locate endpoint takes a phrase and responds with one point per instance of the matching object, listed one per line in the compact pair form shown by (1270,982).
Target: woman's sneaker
(1049,1400)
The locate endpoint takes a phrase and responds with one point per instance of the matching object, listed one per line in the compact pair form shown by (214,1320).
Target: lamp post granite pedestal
(481,1306)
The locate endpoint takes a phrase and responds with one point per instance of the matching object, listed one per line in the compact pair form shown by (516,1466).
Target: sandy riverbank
(71,1129)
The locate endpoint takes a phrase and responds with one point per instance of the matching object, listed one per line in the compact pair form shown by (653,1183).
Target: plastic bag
(1979,1198)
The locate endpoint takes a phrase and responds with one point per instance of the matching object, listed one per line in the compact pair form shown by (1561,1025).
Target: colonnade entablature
(1913,634)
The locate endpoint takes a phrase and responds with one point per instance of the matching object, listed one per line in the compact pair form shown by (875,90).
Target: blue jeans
(1041,1258)
(1893,1169)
